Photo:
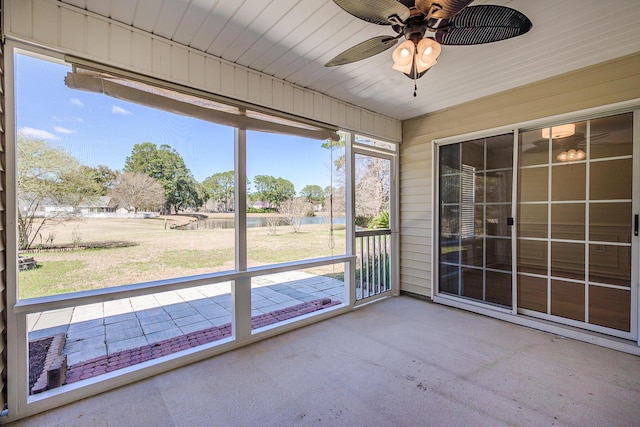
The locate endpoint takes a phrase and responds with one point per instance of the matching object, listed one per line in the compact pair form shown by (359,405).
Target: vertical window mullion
(241,288)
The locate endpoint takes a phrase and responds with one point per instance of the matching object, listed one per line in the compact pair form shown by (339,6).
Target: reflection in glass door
(575,224)
(475,233)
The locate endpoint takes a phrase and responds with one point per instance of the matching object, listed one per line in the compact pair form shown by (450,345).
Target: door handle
(635,225)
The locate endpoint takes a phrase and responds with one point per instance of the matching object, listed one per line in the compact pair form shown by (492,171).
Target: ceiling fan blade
(483,24)
(376,11)
(363,50)
(444,9)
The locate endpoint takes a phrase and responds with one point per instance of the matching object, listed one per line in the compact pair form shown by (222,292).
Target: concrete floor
(399,362)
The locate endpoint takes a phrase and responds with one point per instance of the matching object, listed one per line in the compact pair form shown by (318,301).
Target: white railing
(373,263)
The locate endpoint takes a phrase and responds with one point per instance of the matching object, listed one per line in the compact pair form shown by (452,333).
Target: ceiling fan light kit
(411,58)
(449,22)
(572,155)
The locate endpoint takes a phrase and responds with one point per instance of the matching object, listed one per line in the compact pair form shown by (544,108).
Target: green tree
(313,194)
(272,190)
(103,176)
(338,148)
(220,187)
(165,165)
(335,193)
(50,176)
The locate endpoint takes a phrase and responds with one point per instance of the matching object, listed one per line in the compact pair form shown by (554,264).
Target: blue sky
(100,130)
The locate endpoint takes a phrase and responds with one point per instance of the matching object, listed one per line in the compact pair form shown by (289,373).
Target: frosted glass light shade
(562,131)
(403,56)
(428,52)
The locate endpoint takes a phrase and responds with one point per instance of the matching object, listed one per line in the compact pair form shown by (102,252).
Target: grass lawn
(161,253)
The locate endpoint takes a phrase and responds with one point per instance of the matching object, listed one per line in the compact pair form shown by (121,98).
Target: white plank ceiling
(292,39)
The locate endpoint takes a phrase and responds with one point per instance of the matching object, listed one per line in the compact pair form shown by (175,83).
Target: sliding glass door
(575,224)
(475,193)
(556,239)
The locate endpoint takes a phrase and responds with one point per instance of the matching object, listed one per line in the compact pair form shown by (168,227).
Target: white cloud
(60,129)
(36,133)
(76,102)
(119,110)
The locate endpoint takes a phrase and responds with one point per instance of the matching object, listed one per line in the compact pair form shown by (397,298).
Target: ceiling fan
(448,22)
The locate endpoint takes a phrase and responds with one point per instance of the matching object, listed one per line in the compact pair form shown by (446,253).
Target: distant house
(96,206)
(28,204)
(260,205)
(93,207)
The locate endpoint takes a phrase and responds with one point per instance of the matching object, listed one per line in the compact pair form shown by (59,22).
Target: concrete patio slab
(163,334)
(115,346)
(188,320)
(83,333)
(182,309)
(85,353)
(193,327)
(123,334)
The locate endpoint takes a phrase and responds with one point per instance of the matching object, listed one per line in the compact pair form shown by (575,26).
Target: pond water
(217,223)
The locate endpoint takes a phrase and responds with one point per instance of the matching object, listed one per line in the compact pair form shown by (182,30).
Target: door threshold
(596,338)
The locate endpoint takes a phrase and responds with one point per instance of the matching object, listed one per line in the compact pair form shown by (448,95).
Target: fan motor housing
(414,28)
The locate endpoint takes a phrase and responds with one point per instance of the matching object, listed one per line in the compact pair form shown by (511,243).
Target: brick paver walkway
(126,358)
(150,323)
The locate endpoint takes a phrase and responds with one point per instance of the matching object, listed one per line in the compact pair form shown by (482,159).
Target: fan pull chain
(415,73)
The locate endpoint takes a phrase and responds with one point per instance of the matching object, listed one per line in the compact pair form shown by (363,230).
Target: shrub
(380,221)
(261,210)
(362,221)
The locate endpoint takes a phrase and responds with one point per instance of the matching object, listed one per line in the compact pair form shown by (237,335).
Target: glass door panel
(567,221)
(612,136)
(574,234)
(533,220)
(567,300)
(475,192)
(532,293)
(534,184)
(609,222)
(610,307)
(610,264)
(610,180)
(568,182)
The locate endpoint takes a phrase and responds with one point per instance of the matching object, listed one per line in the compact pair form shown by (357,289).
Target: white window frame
(19,402)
